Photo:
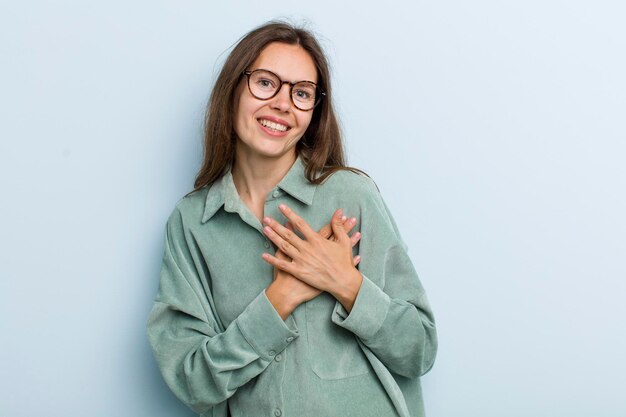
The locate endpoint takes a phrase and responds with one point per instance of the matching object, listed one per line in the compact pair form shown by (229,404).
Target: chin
(267,147)
(273,150)
(276,154)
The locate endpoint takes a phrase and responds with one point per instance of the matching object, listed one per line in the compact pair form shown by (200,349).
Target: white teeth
(274,126)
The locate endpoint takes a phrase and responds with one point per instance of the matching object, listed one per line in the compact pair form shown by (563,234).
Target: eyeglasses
(264,85)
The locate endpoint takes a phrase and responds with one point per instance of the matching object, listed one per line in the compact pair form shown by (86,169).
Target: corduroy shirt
(222,347)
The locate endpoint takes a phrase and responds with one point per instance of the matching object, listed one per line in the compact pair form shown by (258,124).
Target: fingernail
(282,207)
(353,220)
(267,220)
(340,212)
(343,218)
(267,229)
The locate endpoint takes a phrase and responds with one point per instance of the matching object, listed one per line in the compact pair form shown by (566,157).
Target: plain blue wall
(494,129)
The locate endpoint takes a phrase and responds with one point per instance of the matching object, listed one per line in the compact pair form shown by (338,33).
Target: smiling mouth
(273,126)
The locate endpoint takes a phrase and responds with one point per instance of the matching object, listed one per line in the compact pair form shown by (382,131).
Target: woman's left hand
(322,263)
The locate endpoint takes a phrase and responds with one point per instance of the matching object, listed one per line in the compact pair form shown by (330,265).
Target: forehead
(289,62)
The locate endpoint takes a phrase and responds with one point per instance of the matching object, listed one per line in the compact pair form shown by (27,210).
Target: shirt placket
(271,209)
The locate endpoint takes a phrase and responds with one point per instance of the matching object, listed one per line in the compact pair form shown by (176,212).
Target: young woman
(261,309)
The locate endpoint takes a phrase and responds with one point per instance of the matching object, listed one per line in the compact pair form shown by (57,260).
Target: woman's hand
(286,292)
(321,263)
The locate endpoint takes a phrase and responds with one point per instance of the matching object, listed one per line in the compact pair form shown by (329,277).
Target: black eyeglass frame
(318,98)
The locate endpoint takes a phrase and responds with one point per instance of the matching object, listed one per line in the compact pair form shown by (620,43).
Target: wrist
(283,302)
(348,288)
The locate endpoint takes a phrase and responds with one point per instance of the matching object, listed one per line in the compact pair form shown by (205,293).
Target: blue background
(494,129)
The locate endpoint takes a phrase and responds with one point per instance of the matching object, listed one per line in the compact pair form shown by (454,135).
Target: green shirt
(222,346)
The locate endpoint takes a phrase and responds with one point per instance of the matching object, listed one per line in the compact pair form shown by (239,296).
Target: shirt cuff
(264,329)
(368,312)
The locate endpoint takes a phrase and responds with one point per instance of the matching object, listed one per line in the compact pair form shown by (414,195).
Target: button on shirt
(220,344)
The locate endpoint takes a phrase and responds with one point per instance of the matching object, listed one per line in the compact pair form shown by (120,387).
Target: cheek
(304,121)
(242,107)
(243,116)
(237,112)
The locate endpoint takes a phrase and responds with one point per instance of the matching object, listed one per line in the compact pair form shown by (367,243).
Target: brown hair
(321,147)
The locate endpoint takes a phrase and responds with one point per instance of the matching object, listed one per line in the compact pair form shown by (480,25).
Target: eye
(265,83)
(304,92)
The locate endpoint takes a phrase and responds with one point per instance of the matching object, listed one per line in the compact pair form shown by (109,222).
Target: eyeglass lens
(264,85)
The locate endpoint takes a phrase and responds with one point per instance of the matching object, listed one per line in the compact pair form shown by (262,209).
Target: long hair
(321,147)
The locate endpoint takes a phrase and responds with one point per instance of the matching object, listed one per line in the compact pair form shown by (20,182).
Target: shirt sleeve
(391,314)
(201,362)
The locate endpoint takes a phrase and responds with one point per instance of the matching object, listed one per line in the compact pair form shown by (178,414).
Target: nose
(282,100)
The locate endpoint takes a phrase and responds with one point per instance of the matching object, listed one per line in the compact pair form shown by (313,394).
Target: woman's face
(271,128)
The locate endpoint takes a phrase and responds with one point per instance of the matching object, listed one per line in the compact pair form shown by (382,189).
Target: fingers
(348,224)
(354,239)
(327,231)
(290,244)
(281,244)
(356,260)
(281,255)
(282,264)
(337,226)
(298,222)
(280,234)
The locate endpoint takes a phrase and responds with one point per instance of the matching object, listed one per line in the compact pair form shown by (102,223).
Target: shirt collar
(297,185)
(223,191)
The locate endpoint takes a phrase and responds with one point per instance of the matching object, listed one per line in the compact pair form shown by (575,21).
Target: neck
(255,176)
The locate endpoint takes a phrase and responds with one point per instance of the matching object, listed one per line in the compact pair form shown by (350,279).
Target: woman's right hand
(287,292)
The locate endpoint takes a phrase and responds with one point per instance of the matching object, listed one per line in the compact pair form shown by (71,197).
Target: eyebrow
(281,78)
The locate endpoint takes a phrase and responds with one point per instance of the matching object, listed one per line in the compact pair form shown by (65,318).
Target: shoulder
(188,210)
(349,182)
(359,195)
(357,188)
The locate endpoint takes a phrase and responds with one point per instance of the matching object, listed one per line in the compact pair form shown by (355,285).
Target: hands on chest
(322,261)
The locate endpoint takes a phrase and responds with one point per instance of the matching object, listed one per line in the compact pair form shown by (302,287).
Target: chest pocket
(333,351)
